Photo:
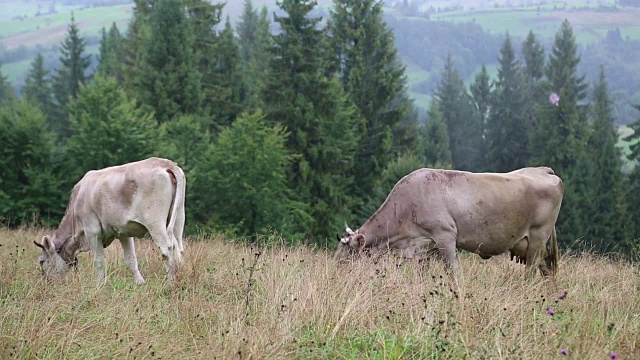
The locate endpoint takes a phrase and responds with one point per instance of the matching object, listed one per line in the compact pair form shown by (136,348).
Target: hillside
(238,302)
(30,26)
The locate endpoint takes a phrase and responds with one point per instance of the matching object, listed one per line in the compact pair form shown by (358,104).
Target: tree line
(300,129)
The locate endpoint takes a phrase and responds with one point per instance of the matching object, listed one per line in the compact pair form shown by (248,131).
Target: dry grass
(301,304)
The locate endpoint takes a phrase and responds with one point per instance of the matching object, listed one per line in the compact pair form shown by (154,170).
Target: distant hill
(426,31)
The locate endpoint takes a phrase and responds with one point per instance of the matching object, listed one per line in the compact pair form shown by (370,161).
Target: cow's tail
(177,203)
(553,256)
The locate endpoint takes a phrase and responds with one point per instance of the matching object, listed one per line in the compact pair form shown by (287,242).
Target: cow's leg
(446,244)
(130,258)
(178,230)
(98,256)
(536,252)
(168,249)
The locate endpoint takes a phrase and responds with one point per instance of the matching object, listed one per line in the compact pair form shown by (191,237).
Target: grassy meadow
(591,20)
(233,301)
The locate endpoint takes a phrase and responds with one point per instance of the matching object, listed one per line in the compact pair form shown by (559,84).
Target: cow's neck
(64,229)
(382,227)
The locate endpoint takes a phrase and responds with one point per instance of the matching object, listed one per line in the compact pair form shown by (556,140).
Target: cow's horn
(347,229)
(38,245)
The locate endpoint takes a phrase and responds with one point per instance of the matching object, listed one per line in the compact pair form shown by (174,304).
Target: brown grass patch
(301,304)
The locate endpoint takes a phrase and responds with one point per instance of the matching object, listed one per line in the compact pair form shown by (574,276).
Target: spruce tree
(112,54)
(457,111)
(169,81)
(6,91)
(37,86)
(633,191)
(319,116)
(254,40)
(138,33)
(205,18)
(533,73)
(481,92)
(70,76)
(247,28)
(227,103)
(373,76)
(608,226)
(533,54)
(560,136)
(563,63)
(436,140)
(507,136)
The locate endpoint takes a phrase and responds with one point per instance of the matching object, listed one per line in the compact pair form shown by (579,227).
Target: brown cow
(120,202)
(484,213)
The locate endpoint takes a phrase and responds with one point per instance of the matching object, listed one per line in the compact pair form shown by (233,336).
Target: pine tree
(168,80)
(138,33)
(481,93)
(205,18)
(436,140)
(533,54)
(533,72)
(507,136)
(319,116)
(108,128)
(608,225)
(37,85)
(227,103)
(562,132)
(560,137)
(112,54)
(563,63)
(633,192)
(373,76)
(457,111)
(254,40)
(6,91)
(69,77)
(247,28)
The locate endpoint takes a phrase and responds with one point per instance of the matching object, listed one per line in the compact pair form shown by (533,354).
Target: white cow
(120,202)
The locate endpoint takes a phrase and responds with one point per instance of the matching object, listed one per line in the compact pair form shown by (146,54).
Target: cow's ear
(359,241)
(48,245)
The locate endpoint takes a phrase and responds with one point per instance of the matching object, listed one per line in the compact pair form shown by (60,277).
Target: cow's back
(118,197)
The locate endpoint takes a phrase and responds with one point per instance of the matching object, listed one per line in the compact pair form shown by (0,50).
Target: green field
(589,24)
(17,71)
(90,16)
(421,100)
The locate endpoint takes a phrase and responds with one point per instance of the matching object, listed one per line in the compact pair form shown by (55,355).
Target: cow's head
(351,244)
(54,261)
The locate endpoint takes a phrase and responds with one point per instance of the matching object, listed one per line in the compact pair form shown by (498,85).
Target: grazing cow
(484,213)
(120,202)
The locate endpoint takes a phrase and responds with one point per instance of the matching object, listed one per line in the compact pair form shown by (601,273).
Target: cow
(120,202)
(485,213)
